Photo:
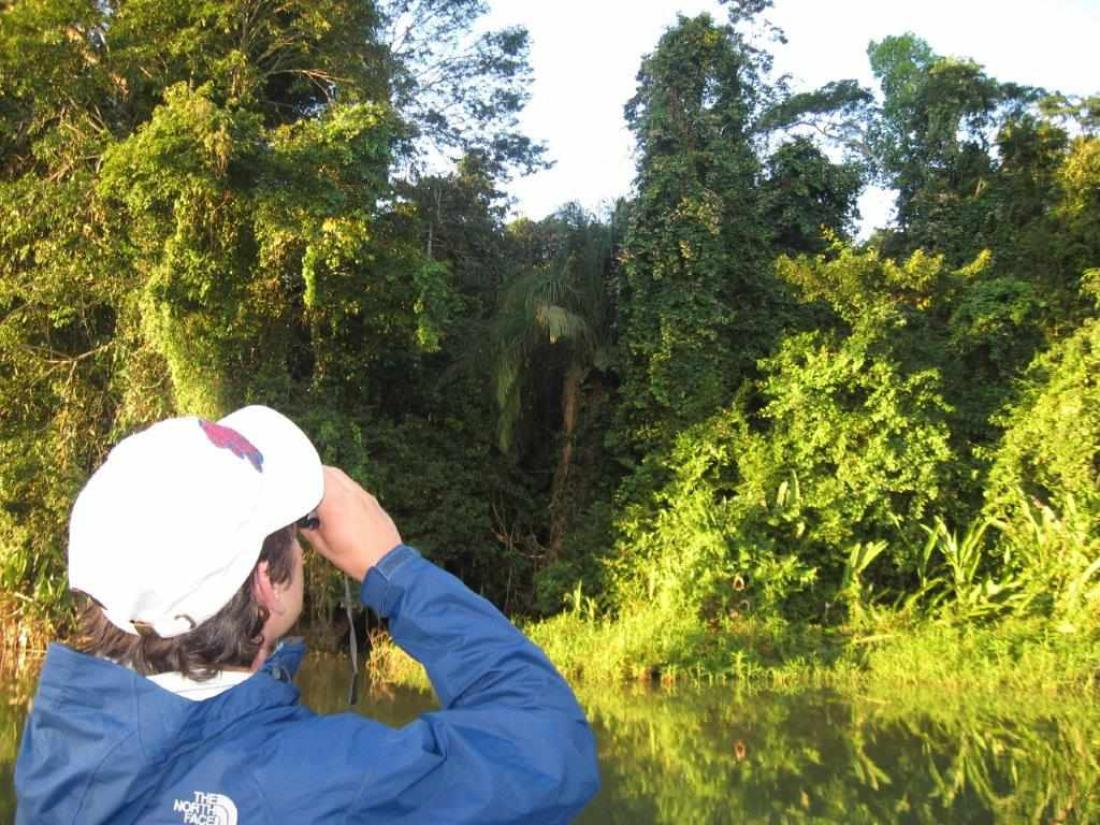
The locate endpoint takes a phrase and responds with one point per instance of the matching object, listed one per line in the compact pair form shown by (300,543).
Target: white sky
(585,55)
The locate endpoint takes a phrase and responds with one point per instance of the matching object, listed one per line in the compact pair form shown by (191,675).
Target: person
(178,706)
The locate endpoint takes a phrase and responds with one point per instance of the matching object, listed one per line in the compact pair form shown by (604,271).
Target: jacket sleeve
(510,743)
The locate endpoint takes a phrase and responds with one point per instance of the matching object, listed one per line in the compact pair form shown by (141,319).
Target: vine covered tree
(696,287)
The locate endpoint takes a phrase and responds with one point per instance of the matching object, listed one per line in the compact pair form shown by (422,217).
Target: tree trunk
(559,489)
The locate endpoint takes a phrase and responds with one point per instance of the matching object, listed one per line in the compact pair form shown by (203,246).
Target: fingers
(354,530)
(315,539)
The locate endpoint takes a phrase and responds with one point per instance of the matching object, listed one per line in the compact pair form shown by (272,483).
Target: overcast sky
(585,55)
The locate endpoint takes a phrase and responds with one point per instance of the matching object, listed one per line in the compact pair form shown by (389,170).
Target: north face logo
(207,809)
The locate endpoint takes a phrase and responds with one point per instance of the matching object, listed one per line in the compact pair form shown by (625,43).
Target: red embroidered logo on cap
(231,440)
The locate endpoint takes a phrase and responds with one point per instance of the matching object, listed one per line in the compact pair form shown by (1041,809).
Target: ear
(265,591)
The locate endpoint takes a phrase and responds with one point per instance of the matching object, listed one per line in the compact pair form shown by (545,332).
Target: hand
(354,531)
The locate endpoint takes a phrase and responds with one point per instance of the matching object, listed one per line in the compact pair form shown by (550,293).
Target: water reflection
(324,681)
(720,755)
(14,698)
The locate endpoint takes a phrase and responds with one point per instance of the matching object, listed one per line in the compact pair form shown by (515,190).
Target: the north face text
(207,809)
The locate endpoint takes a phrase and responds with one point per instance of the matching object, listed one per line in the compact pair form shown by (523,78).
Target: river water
(725,755)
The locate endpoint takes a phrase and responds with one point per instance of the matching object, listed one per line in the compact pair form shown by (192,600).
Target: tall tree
(806,195)
(193,212)
(695,289)
(931,141)
(459,90)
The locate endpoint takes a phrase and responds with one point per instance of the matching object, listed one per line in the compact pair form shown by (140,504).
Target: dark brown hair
(230,638)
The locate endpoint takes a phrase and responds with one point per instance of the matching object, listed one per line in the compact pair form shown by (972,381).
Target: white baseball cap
(168,529)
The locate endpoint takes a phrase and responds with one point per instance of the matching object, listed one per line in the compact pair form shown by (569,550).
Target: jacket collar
(162,721)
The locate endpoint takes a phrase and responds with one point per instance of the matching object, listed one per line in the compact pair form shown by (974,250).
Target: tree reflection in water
(724,756)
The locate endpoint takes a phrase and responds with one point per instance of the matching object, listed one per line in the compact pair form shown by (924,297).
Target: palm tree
(554,325)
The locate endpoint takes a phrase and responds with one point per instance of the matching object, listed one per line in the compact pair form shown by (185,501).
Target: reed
(25,631)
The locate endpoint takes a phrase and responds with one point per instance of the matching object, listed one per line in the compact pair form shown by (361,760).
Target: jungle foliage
(708,411)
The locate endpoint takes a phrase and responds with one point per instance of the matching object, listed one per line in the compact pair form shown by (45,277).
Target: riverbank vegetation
(706,433)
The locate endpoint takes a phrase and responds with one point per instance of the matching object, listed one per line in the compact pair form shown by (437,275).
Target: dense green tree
(459,220)
(696,290)
(1078,213)
(932,138)
(1050,453)
(192,219)
(805,196)
(435,436)
(1043,490)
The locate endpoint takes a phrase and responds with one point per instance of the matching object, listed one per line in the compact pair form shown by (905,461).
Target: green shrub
(1044,485)
(759,509)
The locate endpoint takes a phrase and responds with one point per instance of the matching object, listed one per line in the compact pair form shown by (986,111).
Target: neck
(262,655)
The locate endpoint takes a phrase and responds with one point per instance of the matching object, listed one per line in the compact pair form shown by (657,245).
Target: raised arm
(511,742)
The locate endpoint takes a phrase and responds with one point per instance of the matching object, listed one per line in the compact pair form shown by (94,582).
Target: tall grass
(996,606)
(25,631)
(1058,559)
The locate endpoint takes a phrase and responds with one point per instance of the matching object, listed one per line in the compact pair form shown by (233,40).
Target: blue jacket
(510,744)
